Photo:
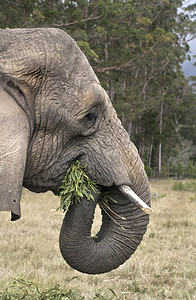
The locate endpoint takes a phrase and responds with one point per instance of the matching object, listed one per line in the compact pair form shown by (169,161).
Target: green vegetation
(136,49)
(163,266)
(188,186)
(75,186)
(185,170)
(24,289)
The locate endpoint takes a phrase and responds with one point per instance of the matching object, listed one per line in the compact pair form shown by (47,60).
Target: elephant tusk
(129,193)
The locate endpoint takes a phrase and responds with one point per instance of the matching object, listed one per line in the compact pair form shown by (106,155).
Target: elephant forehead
(43,53)
(93,94)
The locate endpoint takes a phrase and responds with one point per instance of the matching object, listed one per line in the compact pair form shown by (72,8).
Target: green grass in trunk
(75,186)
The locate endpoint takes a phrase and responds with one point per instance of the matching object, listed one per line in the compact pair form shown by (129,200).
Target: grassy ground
(163,267)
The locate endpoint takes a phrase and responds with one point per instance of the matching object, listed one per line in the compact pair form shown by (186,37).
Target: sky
(187,66)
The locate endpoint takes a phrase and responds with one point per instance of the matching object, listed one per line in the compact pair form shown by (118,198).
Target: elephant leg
(14,136)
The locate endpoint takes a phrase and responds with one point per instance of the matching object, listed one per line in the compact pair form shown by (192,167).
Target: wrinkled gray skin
(53,111)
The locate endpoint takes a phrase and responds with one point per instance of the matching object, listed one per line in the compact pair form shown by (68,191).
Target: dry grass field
(163,267)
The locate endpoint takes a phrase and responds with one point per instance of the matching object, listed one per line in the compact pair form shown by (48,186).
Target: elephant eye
(90,118)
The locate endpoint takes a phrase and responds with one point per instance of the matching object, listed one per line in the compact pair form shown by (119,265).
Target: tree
(136,48)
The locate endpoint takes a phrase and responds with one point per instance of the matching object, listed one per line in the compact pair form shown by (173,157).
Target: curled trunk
(115,242)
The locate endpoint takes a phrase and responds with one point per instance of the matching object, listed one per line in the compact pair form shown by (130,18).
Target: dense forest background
(136,48)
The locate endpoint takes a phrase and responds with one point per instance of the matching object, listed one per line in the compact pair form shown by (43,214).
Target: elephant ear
(16,117)
(14,136)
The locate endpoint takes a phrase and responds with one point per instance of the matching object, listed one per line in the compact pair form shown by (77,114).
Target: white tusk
(129,193)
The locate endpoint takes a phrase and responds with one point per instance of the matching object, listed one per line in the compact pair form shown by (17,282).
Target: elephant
(54,111)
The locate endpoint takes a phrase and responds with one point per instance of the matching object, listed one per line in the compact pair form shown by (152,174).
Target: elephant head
(53,111)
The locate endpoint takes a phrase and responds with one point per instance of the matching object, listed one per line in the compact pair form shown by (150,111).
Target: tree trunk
(160,144)
(129,130)
(150,153)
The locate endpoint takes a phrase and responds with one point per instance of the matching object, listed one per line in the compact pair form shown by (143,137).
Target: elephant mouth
(128,193)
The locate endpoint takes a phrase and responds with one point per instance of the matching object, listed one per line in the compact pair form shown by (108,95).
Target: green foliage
(105,198)
(22,289)
(75,186)
(187,171)
(149,171)
(189,186)
(193,198)
(179,186)
(85,47)
(136,49)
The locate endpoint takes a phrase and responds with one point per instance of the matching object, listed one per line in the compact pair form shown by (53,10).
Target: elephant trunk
(118,238)
(116,241)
